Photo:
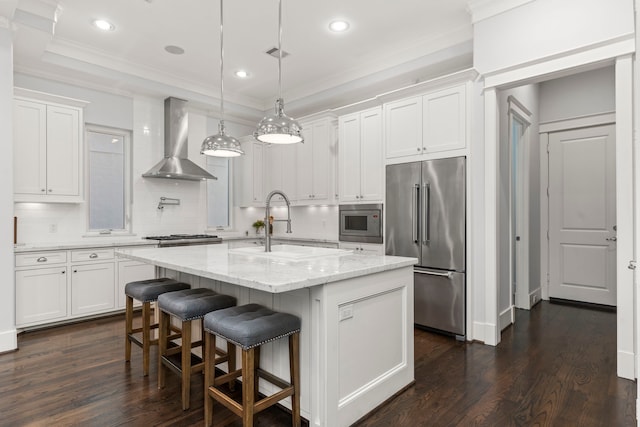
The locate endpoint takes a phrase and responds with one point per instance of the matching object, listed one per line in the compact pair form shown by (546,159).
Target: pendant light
(221,144)
(278,128)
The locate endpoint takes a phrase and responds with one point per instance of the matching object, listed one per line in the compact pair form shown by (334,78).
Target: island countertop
(218,262)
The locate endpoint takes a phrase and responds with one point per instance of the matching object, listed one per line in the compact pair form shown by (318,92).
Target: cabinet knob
(424,148)
(418,148)
(50,190)
(43,190)
(63,271)
(42,259)
(75,271)
(93,255)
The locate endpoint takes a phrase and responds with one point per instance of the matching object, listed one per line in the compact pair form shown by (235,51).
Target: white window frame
(126,137)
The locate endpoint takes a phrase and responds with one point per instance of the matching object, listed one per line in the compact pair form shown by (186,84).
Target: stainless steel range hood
(175,164)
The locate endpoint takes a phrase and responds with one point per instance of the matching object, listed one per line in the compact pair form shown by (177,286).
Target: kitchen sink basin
(290,252)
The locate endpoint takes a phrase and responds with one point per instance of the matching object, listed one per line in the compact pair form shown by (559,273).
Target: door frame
(541,71)
(520,298)
(545,130)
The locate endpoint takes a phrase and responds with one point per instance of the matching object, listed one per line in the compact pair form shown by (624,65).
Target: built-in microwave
(361,223)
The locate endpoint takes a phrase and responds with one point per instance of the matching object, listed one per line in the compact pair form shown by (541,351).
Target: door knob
(611,239)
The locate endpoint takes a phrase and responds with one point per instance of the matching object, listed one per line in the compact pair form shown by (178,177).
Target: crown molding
(483,9)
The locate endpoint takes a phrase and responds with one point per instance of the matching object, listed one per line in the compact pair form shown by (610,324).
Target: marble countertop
(98,242)
(217,262)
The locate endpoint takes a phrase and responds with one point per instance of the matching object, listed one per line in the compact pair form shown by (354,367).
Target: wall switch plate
(346,312)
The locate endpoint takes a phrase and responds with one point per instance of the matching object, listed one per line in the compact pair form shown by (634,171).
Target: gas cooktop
(185,239)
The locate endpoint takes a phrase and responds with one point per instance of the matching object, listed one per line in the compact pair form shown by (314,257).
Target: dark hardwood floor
(555,367)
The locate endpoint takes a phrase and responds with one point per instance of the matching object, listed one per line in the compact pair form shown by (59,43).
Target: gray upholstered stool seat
(149,290)
(145,291)
(186,305)
(250,326)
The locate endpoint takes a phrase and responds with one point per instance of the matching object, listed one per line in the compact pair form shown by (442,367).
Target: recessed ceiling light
(241,74)
(339,26)
(175,50)
(104,25)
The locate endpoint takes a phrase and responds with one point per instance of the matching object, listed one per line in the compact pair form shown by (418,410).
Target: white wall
(8,339)
(545,28)
(313,222)
(591,92)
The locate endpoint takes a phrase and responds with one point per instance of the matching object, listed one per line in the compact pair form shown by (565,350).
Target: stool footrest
(268,401)
(225,378)
(138,341)
(227,401)
(279,382)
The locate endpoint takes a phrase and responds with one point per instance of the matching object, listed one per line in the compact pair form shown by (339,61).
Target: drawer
(92,255)
(40,258)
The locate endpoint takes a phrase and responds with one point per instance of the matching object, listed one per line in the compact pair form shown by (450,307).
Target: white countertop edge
(36,247)
(397,262)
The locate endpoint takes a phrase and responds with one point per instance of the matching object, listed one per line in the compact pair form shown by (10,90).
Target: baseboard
(626,365)
(485,333)
(506,317)
(535,297)
(8,340)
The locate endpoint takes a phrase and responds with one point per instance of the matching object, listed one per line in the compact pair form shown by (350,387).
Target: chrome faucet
(267,236)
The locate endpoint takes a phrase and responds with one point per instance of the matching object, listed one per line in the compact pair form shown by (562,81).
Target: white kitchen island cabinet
(348,303)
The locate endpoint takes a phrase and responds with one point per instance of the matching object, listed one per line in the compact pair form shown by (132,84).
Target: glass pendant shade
(278,128)
(221,144)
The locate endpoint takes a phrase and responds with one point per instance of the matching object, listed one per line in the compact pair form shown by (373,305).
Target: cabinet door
(92,288)
(258,188)
(30,147)
(349,158)
(131,271)
(63,151)
(304,163)
(280,171)
(41,295)
(444,120)
(372,163)
(403,130)
(322,172)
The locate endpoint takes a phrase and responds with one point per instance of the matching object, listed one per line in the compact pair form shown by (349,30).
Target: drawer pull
(93,255)
(63,271)
(42,259)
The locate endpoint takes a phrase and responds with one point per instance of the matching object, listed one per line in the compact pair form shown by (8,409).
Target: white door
(582,213)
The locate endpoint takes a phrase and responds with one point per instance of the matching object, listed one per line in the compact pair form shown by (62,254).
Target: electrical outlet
(346,312)
(53,228)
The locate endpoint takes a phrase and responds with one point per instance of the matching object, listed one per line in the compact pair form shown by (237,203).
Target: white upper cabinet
(249,174)
(360,165)
(280,171)
(422,125)
(315,163)
(47,151)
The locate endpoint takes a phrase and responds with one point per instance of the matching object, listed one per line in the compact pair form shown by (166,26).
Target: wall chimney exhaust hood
(175,164)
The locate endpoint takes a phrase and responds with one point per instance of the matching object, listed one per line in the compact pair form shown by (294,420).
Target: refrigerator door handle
(446,274)
(426,205)
(416,214)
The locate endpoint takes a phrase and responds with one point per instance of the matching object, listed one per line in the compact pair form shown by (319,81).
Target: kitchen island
(356,310)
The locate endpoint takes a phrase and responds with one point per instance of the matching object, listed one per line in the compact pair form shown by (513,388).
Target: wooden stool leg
(163,327)
(294,371)
(248,379)
(186,363)
(146,336)
(231,363)
(128,328)
(209,375)
(256,381)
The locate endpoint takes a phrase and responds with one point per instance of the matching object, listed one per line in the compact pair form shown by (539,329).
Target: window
(218,193)
(108,171)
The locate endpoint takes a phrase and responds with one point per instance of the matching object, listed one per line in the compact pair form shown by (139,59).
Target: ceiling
(388,45)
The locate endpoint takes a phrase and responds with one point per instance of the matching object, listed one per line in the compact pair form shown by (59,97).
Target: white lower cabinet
(41,295)
(363,248)
(92,288)
(57,286)
(131,271)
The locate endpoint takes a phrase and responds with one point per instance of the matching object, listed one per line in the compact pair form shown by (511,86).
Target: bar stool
(250,326)
(145,291)
(186,305)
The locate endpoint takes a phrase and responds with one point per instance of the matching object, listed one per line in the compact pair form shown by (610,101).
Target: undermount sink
(290,252)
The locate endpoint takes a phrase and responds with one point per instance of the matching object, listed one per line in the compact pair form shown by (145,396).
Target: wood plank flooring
(555,367)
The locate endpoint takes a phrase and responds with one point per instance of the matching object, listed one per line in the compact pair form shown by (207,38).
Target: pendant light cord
(221,62)
(279,51)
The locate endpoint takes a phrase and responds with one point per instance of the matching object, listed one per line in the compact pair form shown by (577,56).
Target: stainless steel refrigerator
(425,218)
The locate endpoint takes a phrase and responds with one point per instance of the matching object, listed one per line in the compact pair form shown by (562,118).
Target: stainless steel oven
(361,223)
